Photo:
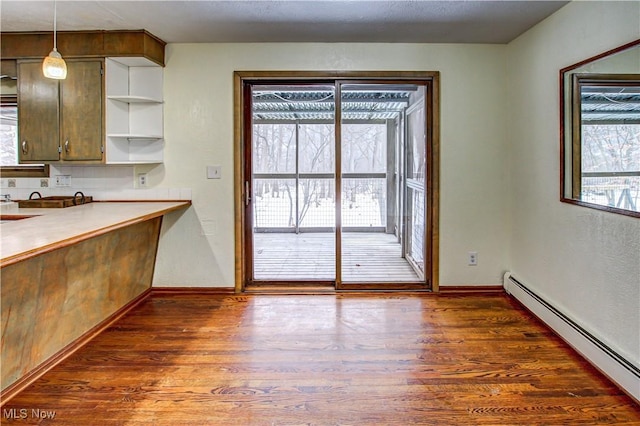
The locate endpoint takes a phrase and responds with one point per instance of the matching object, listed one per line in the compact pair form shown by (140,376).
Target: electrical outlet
(473,258)
(63,180)
(44,183)
(142,180)
(11,183)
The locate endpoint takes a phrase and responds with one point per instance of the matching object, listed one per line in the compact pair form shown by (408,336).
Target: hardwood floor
(367,257)
(383,359)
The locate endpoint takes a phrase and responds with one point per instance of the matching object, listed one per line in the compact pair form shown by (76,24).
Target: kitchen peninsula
(66,273)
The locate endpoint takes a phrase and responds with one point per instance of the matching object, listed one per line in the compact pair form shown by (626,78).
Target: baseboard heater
(615,366)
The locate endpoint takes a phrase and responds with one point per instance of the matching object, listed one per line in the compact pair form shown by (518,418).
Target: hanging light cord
(55,20)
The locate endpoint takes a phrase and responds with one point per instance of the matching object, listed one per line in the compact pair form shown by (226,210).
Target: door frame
(241,128)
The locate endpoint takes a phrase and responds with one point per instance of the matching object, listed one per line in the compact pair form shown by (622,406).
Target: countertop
(50,229)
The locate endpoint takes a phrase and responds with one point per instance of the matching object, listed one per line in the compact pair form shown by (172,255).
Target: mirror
(600,131)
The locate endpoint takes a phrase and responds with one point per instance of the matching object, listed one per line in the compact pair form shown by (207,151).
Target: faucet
(5,198)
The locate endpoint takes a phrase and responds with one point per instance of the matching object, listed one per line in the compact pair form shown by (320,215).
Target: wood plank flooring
(345,359)
(367,257)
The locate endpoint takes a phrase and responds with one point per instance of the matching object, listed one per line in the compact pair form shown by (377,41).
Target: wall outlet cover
(63,180)
(142,180)
(214,172)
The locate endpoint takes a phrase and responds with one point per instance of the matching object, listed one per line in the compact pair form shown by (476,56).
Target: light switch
(214,172)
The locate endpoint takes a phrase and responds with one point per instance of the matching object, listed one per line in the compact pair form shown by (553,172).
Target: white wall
(583,261)
(197,247)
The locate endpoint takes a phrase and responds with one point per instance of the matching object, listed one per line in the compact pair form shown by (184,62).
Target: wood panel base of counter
(24,382)
(52,300)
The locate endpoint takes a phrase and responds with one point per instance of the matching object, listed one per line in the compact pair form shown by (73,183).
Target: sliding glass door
(336,184)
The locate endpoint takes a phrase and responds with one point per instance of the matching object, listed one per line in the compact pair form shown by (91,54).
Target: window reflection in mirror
(609,140)
(600,138)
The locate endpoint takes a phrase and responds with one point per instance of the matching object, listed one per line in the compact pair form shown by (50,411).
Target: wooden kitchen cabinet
(61,120)
(81,105)
(38,115)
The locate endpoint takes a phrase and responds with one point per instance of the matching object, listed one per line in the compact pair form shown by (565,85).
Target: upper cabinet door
(38,112)
(81,100)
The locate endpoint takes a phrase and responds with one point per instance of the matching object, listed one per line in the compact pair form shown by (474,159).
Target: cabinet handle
(25,147)
(66,146)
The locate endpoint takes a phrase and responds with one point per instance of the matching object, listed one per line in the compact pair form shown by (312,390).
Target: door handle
(66,146)
(247,194)
(25,147)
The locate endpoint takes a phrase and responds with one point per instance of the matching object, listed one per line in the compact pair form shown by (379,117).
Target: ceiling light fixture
(53,65)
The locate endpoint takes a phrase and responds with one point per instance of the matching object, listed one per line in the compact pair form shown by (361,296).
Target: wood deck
(348,359)
(367,257)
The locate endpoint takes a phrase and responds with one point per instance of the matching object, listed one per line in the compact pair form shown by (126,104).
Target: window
(607,158)
(8,135)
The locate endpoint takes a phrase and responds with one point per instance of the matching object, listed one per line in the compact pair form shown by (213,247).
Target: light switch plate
(214,172)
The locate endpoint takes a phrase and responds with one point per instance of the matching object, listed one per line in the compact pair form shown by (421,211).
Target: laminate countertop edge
(104,217)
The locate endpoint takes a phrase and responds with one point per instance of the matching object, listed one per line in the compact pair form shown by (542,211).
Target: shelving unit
(132,136)
(134,111)
(135,99)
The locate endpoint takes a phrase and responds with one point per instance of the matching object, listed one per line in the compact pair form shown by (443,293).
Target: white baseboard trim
(617,368)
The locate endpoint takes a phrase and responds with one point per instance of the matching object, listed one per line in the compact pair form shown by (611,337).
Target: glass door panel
(293,183)
(415,218)
(372,161)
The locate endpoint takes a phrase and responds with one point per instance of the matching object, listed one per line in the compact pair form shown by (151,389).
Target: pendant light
(53,65)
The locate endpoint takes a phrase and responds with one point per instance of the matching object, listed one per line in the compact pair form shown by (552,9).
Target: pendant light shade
(53,65)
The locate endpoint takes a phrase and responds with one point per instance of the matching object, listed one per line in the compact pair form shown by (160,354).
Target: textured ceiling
(410,21)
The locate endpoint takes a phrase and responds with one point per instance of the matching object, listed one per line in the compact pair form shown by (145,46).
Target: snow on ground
(271,211)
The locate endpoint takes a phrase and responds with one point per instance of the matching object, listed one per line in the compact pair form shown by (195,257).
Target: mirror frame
(571,122)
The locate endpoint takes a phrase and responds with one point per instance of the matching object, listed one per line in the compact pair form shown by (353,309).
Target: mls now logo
(23,413)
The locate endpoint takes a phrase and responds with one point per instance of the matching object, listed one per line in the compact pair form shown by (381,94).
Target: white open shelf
(132,136)
(128,163)
(134,99)
(134,112)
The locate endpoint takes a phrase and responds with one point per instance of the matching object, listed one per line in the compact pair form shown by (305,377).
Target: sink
(4,218)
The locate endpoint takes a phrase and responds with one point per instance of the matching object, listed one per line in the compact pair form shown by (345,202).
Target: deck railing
(614,189)
(290,203)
